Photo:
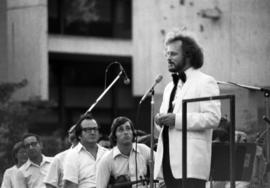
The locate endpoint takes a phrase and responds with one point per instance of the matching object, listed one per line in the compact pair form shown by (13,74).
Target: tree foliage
(13,121)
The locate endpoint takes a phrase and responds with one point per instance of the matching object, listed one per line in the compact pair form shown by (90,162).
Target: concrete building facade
(234,35)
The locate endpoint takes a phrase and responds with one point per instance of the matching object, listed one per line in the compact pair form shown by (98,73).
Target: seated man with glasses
(31,174)
(81,162)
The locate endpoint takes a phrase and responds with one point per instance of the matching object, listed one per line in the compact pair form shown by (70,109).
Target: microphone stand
(151,179)
(267,110)
(151,92)
(104,92)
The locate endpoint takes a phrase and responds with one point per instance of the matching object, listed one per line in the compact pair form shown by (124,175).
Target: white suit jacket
(201,118)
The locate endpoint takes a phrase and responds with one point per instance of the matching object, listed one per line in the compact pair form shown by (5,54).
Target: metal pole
(151,181)
(232,133)
(232,142)
(104,92)
(266,96)
(184,144)
(267,135)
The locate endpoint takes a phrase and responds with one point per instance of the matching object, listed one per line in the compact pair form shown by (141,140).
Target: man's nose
(126,131)
(92,131)
(169,59)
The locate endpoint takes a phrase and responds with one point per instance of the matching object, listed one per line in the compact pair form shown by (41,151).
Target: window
(102,18)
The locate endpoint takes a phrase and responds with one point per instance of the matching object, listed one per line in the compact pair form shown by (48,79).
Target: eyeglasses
(89,129)
(33,144)
(168,54)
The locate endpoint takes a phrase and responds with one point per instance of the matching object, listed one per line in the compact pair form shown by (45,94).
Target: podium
(244,159)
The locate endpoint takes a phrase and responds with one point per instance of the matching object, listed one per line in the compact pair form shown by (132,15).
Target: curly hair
(190,47)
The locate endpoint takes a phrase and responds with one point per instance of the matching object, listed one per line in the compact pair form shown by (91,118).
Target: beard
(175,67)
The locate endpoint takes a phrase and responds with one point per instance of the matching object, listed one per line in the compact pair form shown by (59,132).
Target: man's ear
(187,61)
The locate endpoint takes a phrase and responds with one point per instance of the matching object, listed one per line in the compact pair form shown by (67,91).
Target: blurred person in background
(19,156)
(54,177)
(104,141)
(32,173)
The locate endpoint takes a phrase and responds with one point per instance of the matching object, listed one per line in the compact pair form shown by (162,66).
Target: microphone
(126,79)
(158,79)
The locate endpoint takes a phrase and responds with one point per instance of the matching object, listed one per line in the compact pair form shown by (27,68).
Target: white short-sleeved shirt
(55,174)
(80,166)
(9,177)
(31,175)
(115,164)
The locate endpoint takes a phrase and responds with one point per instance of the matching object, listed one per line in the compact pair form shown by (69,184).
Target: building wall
(89,45)
(3,41)
(27,47)
(236,48)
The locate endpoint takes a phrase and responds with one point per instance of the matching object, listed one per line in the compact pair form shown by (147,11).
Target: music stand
(232,134)
(266,92)
(220,165)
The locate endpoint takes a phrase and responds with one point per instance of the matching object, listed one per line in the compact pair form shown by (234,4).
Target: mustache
(170,62)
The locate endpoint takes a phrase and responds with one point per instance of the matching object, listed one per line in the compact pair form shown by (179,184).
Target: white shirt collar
(44,160)
(117,152)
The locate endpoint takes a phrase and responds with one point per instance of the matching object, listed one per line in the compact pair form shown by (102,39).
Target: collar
(189,72)
(116,151)
(184,76)
(80,147)
(44,160)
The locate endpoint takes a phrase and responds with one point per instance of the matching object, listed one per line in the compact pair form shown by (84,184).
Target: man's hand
(165,119)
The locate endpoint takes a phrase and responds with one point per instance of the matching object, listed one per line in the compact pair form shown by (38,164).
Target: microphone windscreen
(159,78)
(127,81)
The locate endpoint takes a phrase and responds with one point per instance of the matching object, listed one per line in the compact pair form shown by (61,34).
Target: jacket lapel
(184,94)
